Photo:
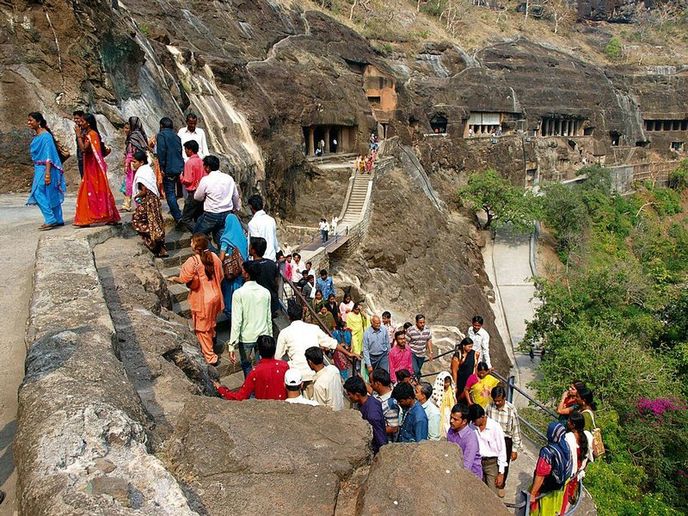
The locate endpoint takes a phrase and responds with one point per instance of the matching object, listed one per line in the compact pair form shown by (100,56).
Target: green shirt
(251,316)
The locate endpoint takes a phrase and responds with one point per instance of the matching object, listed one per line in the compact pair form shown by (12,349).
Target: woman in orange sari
(203,273)
(95,203)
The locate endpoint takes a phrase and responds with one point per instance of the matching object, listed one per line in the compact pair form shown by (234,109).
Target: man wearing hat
(294,384)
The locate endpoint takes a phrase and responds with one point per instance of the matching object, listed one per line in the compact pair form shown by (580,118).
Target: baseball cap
(292,377)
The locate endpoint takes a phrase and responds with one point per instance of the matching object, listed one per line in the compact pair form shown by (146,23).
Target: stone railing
(623,176)
(81,444)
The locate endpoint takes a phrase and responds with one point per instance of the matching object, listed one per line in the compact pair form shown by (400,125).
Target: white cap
(292,377)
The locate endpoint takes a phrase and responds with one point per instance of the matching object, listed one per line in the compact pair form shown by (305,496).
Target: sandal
(46,227)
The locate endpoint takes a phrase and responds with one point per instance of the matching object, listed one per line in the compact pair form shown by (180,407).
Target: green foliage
(617,318)
(614,48)
(502,202)
(434,7)
(615,487)
(678,179)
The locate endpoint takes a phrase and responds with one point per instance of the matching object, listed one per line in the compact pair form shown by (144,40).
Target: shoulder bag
(195,282)
(62,150)
(231,265)
(597,442)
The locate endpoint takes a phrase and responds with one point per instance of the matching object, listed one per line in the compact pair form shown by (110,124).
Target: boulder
(425,478)
(260,457)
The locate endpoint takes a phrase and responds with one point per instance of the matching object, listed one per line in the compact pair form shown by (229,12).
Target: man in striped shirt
(507,416)
(419,339)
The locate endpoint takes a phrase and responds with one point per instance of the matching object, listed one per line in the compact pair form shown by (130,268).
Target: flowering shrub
(658,406)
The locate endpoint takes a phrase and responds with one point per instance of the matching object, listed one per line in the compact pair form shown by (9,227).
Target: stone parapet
(81,445)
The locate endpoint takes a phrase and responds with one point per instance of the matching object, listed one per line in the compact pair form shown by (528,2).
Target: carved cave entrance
(329,138)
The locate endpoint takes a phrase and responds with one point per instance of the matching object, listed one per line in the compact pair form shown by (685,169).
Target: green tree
(502,202)
(614,48)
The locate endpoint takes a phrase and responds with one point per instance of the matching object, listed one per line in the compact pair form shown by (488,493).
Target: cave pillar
(327,139)
(311,141)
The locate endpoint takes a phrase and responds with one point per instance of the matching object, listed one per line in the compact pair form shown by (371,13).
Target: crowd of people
(335,351)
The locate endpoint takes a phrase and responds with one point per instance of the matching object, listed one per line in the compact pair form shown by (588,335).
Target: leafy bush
(614,48)
(678,179)
(617,318)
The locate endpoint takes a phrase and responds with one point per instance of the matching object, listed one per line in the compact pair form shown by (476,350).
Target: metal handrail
(511,386)
(304,302)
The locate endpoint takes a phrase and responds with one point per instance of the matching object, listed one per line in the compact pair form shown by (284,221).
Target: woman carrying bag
(202,273)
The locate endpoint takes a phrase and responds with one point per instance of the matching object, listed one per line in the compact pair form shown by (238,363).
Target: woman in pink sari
(95,203)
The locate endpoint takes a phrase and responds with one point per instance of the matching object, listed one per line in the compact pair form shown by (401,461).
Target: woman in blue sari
(49,186)
(233,237)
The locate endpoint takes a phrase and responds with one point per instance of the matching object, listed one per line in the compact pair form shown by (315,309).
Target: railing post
(510,389)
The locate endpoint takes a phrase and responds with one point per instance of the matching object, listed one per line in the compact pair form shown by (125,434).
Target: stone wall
(81,445)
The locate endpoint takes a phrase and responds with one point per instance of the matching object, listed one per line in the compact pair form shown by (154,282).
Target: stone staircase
(355,206)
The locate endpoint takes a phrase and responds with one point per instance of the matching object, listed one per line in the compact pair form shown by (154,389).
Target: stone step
(183,309)
(176,239)
(175,259)
(178,292)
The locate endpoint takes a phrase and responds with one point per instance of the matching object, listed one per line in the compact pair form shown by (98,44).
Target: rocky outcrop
(81,444)
(260,457)
(151,340)
(444,488)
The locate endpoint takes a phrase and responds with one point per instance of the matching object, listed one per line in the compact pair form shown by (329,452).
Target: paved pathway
(18,240)
(507,263)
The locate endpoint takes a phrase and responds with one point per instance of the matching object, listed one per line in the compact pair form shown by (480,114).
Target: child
(343,336)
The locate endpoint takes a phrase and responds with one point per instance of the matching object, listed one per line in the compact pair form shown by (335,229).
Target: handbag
(232,265)
(62,150)
(597,442)
(195,282)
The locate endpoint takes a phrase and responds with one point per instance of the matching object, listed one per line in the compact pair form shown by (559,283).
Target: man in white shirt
(263,225)
(492,447)
(296,338)
(424,397)
(220,197)
(192,132)
(294,383)
(481,340)
(328,389)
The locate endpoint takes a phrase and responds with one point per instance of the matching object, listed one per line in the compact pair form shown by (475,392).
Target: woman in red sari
(95,203)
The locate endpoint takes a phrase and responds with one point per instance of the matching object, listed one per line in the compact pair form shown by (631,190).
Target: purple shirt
(467,440)
(371,411)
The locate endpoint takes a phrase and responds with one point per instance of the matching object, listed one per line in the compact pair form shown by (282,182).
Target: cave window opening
(666,125)
(375,101)
(588,131)
(556,126)
(438,124)
(484,124)
(677,146)
(642,143)
(615,137)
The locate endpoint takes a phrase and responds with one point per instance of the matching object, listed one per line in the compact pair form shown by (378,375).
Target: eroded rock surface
(425,478)
(81,445)
(151,339)
(266,457)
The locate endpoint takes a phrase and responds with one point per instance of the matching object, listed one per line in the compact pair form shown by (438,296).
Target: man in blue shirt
(324,284)
(376,346)
(414,422)
(371,409)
